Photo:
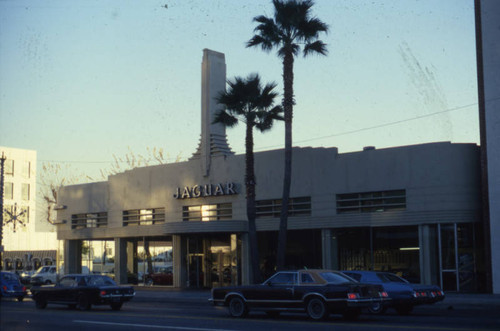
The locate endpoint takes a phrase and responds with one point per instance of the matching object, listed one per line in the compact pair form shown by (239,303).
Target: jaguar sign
(207,190)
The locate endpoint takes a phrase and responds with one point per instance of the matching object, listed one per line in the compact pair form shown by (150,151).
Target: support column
(245,259)
(72,256)
(121,261)
(179,260)
(132,265)
(329,249)
(428,254)
(326,248)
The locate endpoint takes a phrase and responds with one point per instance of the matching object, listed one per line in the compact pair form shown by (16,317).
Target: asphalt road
(190,314)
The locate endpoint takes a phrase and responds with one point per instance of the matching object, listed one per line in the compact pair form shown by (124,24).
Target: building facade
(413,210)
(25,246)
(488,58)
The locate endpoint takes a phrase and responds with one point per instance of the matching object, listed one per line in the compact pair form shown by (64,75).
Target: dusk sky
(83,80)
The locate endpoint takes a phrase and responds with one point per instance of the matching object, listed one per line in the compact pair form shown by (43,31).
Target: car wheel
(20,298)
(40,303)
(316,309)
(116,305)
(351,314)
(83,302)
(404,310)
(237,307)
(377,308)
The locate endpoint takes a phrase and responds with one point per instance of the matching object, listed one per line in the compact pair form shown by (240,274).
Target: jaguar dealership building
(413,210)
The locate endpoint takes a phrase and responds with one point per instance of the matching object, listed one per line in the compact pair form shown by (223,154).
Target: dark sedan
(317,292)
(82,291)
(404,294)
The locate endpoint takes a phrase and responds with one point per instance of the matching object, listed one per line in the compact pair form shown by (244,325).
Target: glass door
(448,257)
(195,266)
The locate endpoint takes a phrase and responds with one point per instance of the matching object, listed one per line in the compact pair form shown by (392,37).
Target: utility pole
(2,161)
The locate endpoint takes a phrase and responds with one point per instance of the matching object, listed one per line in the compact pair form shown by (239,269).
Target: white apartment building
(25,245)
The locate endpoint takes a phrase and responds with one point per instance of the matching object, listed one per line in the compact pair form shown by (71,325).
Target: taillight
(352,296)
(103,293)
(384,294)
(5,288)
(24,288)
(424,294)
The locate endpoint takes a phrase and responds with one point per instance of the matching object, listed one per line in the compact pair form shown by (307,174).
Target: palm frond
(315,47)
(226,119)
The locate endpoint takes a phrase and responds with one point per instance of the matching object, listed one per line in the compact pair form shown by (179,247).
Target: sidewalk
(168,294)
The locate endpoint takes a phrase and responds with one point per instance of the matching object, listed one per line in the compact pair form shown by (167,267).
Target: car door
(61,292)
(276,292)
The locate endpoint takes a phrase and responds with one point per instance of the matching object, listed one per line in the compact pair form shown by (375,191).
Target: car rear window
(386,278)
(335,278)
(356,277)
(100,281)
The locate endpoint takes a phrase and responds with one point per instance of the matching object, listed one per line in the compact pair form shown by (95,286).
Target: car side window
(306,279)
(284,278)
(68,282)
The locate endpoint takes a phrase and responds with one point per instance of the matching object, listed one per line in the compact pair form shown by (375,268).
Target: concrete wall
(441,182)
(490,27)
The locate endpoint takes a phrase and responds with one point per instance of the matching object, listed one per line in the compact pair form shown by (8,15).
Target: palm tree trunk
(287,178)
(250,190)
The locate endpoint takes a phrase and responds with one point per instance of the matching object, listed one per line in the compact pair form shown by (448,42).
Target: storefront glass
(458,262)
(303,250)
(214,261)
(393,249)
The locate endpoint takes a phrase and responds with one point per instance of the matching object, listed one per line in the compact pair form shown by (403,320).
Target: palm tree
(291,26)
(252,104)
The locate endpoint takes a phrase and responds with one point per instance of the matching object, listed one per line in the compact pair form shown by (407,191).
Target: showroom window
(143,216)
(370,202)
(89,220)
(272,208)
(205,213)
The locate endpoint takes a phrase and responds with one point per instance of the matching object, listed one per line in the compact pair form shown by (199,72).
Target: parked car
(131,277)
(45,275)
(25,276)
(317,292)
(404,294)
(162,276)
(82,291)
(11,287)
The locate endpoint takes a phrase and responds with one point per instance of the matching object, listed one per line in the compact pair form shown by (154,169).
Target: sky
(83,80)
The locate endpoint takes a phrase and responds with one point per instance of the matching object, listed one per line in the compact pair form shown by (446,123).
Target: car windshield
(391,278)
(335,278)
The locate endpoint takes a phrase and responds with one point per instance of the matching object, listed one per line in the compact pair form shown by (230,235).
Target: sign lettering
(207,190)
